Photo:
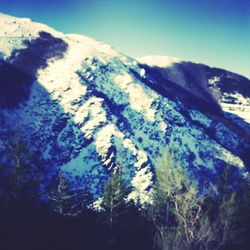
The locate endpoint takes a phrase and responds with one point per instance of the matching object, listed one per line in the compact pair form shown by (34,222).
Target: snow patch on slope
(158,61)
(236,104)
(18,29)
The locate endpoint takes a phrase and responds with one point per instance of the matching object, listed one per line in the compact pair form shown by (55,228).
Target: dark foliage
(34,228)
(19,175)
(65,222)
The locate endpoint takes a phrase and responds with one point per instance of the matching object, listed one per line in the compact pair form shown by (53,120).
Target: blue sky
(214,32)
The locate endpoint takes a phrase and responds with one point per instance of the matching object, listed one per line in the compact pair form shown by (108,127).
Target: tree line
(180,216)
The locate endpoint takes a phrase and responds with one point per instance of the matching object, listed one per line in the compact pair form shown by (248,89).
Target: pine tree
(114,195)
(21,182)
(63,200)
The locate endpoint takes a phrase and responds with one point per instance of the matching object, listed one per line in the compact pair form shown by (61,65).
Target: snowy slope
(230,91)
(88,108)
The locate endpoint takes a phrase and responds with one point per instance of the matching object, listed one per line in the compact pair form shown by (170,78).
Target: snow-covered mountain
(228,90)
(83,108)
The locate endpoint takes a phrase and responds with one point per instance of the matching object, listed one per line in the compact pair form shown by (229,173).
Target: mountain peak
(158,61)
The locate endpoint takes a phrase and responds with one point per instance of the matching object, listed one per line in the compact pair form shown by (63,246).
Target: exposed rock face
(83,108)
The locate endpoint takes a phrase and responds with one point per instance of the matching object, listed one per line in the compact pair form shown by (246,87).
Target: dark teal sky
(215,32)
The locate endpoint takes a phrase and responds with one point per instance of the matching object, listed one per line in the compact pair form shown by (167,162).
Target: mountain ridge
(88,108)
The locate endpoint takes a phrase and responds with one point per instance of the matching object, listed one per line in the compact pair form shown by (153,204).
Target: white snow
(213,80)
(159,61)
(142,73)
(98,116)
(100,48)
(127,143)
(139,99)
(17,29)
(141,181)
(240,105)
(103,139)
(238,109)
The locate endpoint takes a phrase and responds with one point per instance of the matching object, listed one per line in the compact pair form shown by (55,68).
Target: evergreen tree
(115,192)
(21,180)
(63,200)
